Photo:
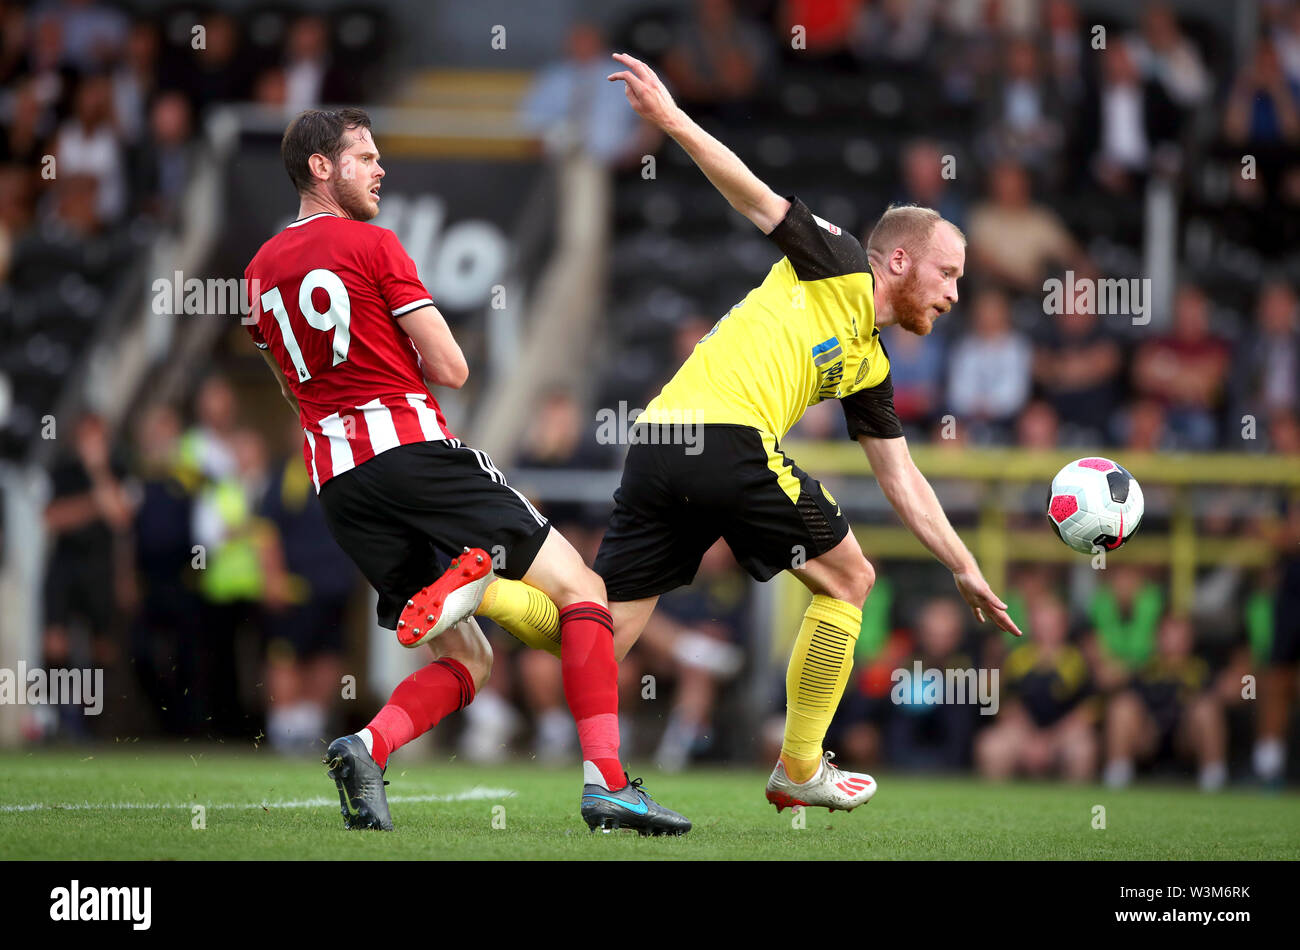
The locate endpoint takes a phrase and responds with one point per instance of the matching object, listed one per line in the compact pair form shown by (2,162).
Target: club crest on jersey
(827,225)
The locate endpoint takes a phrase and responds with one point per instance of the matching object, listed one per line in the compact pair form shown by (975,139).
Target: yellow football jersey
(806,334)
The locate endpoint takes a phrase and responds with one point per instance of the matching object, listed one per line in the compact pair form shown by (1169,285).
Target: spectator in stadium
(1038,427)
(270,90)
(1020,121)
(559,438)
(88,144)
(1125,614)
(55,79)
(694,640)
(1284,28)
(1065,47)
(310,75)
(27,128)
(1167,56)
(162,165)
(542,692)
(990,372)
(15,211)
(238,576)
(1186,371)
(305,631)
(135,81)
(927,180)
(14,24)
(1014,240)
(93,33)
(1145,428)
(1128,124)
(1046,721)
(87,517)
(917,366)
(1029,582)
(1077,369)
(1267,373)
(1263,106)
(717,59)
(569,102)
(1277,684)
(899,33)
(163,650)
(207,446)
(219,72)
(925,735)
(1170,706)
(826,28)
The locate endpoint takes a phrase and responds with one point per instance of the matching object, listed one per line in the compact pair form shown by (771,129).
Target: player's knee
(858,581)
(585,586)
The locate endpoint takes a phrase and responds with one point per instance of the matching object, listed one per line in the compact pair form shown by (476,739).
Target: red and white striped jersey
(325,294)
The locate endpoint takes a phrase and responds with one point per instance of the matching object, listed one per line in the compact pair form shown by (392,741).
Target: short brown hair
(317,131)
(907,226)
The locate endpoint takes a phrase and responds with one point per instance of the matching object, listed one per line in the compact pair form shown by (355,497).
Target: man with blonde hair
(808,333)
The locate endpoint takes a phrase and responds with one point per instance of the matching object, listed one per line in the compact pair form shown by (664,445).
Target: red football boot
(448,600)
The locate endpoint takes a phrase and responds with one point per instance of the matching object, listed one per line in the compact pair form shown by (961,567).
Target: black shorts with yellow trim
(678,496)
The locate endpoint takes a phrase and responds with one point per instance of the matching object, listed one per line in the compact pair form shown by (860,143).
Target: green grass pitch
(128,804)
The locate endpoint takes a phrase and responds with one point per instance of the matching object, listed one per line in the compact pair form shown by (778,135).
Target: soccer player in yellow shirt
(707,462)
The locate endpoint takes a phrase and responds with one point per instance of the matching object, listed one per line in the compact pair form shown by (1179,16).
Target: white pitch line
(476,794)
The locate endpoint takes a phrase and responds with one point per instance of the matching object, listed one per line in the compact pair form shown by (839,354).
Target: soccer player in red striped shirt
(342,318)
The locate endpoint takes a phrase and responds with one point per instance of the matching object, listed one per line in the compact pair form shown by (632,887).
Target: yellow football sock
(814,682)
(524,612)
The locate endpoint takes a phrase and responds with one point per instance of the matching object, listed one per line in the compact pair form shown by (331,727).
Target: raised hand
(645,92)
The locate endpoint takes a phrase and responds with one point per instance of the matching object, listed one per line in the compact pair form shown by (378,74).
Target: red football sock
(418,703)
(590,676)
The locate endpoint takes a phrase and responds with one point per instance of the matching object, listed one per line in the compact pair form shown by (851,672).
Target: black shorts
(396,513)
(673,505)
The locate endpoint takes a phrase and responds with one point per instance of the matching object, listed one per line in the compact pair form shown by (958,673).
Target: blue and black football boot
(629,807)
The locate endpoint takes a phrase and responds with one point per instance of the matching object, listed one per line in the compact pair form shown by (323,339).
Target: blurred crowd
(100,113)
(194,565)
(189,555)
(1041,130)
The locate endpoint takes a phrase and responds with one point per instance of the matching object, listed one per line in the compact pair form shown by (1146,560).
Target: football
(1094,504)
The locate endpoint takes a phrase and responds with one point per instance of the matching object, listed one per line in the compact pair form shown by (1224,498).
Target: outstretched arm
(741,187)
(915,501)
